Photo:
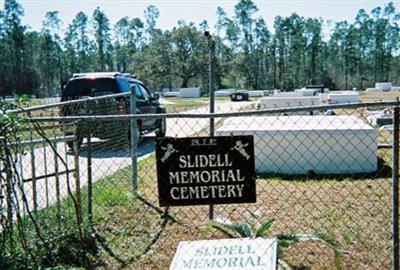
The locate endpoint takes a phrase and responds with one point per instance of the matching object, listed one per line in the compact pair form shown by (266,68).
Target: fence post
(46,180)
(89,169)
(395,189)
(57,179)
(133,138)
(9,197)
(77,177)
(211,44)
(33,171)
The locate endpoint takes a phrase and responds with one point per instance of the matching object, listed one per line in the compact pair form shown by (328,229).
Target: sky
(194,10)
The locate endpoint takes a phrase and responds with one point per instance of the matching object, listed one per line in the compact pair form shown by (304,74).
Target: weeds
(253,229)
(31,238)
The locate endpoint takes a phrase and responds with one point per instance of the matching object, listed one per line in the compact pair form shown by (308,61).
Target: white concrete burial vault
(300,144)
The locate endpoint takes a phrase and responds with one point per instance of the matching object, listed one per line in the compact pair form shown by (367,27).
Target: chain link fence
(81,192)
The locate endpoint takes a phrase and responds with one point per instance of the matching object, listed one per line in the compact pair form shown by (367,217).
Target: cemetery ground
(353,210)
(174,104)
(139,235)
(380,96)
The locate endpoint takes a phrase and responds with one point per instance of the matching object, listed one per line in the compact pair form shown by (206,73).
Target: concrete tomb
(301,144)
(287,102)
(189,92)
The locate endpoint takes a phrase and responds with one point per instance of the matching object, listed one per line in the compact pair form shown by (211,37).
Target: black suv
(87,85)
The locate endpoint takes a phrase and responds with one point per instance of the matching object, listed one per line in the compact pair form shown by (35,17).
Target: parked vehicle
(319,88)
(87,85)
(240,95)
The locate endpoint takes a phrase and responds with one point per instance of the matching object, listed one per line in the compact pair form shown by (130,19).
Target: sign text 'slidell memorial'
(205,170)
(226,254)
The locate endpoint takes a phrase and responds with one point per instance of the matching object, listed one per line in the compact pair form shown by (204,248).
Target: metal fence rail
(334,176)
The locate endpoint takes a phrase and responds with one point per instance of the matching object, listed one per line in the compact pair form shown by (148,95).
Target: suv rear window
(89,87)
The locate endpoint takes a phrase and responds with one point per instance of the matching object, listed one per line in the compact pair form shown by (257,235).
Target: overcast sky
(196,11)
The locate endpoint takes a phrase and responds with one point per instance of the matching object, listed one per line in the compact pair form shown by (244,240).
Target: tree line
(249,55)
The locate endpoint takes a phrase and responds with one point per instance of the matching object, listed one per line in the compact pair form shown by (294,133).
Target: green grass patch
(355,211)
(56,242)
(380,96)
(352,209)
(176,104)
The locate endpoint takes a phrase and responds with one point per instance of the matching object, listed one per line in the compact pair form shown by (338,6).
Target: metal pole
(9,197)
(57,179)
(212,83)
(89,168)
(134,139)
(211,44)
(33,172)
(395,189)
(77,177)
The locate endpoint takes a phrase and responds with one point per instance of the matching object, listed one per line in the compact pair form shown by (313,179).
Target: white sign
(226,254)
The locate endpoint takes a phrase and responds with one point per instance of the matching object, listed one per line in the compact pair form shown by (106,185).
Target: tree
(204,26)
(137,34)
(77,45)
(314,67)
(3,57)
(151,14)
(244,10)
(189,52)
(50,54)
(14,47)
(302,44)
(279,52)
(154,63)
(363,24)
(262,54)
(122,40)
(220,25)
(391,38)
(232,34)
(248,55)
(103,40)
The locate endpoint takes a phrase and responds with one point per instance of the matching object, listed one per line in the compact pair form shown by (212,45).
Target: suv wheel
(162,128)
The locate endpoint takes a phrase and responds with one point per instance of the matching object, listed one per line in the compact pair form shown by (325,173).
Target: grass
(175,104)
(183,104)
(119,218)
(355,211)
(375,97)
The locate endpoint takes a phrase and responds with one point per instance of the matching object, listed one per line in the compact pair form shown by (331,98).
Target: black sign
(205,170)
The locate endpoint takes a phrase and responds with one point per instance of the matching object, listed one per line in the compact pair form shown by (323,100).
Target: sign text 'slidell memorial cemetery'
(205,170)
